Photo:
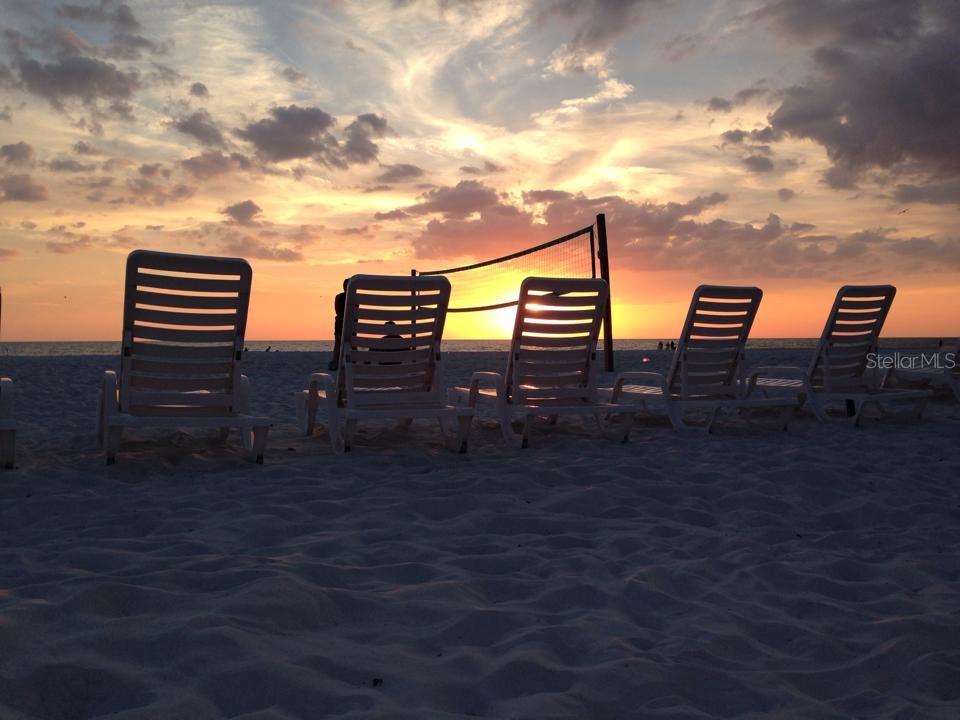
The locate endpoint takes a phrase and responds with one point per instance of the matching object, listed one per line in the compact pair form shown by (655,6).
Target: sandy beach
(748,573)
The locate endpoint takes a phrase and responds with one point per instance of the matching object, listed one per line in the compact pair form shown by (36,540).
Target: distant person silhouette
(339,303)
(660,345)
(673,345)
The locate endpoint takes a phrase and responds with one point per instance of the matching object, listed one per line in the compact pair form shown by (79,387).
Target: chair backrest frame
(553,350)
(709,359)
(850,335)
(184,322)
(390,350)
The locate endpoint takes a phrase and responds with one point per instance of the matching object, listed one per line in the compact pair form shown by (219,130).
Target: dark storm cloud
(945,192)
(200,126)
(886,91)
(851,22)
(82,78)
(400,172)
(18,153)
(292,132)
(243,212)
(21,188)
(198,89)
(786,194)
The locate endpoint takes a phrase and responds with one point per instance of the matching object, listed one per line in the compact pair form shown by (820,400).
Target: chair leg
(527,425)
(625,420)
(111,442)
(7,447)
(306,412)
(506,421)
(464,423)
(259,443)
(349,429)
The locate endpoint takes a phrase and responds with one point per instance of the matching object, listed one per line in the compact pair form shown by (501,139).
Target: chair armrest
(324,381)
(774,371)
(6,397)
(494,378)
(652,378)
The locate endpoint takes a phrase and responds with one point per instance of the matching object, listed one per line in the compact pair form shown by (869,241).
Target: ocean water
(325,346)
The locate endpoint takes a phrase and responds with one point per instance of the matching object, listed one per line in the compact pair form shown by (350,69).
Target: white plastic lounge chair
(945,375)
(708,369)
(8,430)
(841,371)
(184,318)
(390,361)
(552,360)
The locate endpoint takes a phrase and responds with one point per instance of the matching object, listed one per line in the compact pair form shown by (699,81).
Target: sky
(797,145)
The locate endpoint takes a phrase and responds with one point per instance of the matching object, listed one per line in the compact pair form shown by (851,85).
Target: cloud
(601,23)
(83,78)
(468,196)
(119,15)
(292,132)
(247,246)
(151,192)
(945,192)
(65,247)
(200,126)
(397,214)
(21,188)
(69,165)
(211,163)
(886,88)
(489,168)
(400,172)
(786,194)
(243,212)
(19,153)
(84,148)
(359,147)
(198,89)
(7,253)
(291,75)
(741,97)
(758,163)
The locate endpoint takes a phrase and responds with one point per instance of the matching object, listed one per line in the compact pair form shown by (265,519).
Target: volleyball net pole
(604,258)
(547,259)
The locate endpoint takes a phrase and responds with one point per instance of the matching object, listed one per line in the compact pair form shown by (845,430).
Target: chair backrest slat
(553,350)
(850,335)
(392,329)
(709,356)
(184,321)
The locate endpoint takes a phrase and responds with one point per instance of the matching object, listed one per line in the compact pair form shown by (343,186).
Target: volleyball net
(495,284)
